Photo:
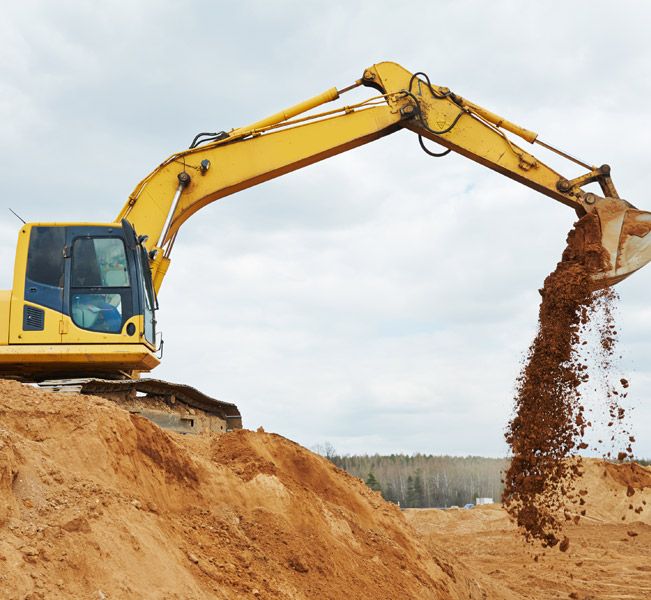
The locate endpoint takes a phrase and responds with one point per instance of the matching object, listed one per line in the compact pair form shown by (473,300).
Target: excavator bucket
(626,239)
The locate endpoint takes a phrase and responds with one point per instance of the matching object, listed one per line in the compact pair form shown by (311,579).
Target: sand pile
(608,556)
(486,517)
(617,493)
(97,503)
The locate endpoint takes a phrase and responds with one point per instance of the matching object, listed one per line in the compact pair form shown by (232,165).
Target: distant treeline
(426,481)
(423,481)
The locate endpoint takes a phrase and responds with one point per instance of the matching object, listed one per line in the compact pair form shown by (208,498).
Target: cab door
(99,296)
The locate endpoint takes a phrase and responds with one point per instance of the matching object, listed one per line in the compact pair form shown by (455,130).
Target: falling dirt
(550,418)
(99,503)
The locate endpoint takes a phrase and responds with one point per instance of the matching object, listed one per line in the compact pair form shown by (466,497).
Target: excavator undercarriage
(176,407)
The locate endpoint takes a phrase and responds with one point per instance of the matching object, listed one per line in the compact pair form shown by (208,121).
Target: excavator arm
(229,162)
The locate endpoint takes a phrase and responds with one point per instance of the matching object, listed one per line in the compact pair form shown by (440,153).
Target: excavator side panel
(33,324)
(37,294)
(5,309)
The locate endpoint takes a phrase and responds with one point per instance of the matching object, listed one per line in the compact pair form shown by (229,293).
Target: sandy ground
(98,503)
(608,558)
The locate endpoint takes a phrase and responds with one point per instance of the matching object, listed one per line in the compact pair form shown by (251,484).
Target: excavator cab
(86,289)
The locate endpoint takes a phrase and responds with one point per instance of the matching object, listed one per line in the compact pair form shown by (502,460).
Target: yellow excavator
(81,315)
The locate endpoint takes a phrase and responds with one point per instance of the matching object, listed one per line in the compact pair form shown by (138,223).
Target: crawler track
(172,406)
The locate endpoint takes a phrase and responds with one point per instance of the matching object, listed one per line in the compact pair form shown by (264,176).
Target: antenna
(17,215)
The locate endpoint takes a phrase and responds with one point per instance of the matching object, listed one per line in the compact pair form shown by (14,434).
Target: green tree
(419,490)
(373,483)
(415,491)
(389,493)
(410,500)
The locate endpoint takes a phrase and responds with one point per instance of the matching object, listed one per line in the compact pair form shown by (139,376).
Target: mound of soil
(617,493)
(98,503)
(607,558)
(486,517)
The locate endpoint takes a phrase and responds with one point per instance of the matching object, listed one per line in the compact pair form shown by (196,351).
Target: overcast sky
(381,300)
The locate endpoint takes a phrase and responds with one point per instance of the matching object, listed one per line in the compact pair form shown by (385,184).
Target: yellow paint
(288,113)
(495,119)
(83,357)
(5,305)
(50,333)
(159,268)
(77,335)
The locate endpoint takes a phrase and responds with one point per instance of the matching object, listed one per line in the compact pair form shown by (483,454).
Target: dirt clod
(550,419)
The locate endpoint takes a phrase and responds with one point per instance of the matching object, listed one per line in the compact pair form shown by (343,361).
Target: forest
(425,481)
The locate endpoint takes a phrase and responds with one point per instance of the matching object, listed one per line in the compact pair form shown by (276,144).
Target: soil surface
(607,559)
(97,503)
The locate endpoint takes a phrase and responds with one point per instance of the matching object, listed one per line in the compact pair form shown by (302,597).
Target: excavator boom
(227,162)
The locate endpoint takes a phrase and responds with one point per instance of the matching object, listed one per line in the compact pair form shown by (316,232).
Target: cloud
(382,299)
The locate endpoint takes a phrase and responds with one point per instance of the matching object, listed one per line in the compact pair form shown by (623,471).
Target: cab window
(97,312)
(99,262)
(45,256)
(149,304)
(100,293)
